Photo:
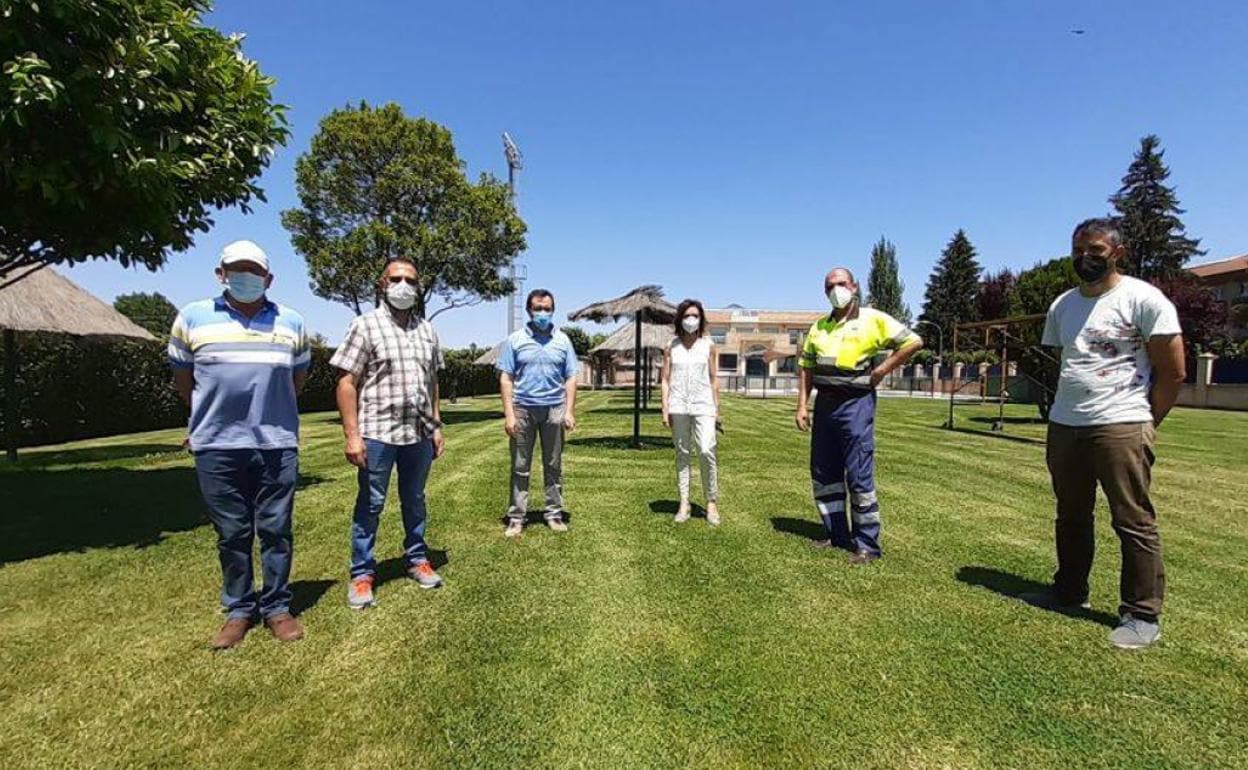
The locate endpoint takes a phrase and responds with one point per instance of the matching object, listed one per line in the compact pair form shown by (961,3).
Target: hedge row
(74,388)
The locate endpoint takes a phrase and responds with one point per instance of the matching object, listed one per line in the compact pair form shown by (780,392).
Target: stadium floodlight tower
(515,162)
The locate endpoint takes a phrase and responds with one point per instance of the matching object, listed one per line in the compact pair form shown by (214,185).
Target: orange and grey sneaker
(360,592)
(424,575)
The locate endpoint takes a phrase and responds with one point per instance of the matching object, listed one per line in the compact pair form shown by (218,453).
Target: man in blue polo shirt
(238,361)
(537,373)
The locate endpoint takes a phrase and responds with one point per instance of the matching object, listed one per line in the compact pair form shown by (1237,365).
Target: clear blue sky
(734,151)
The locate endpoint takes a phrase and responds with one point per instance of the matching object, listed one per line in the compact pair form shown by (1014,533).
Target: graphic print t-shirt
(1106,373)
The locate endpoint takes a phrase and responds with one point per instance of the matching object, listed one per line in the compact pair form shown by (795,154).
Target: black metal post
(637,381)
(11,432)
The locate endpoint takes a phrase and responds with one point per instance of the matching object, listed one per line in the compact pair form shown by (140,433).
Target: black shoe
(862,558)
(1049,599)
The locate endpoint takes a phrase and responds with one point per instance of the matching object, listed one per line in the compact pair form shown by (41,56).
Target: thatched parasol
(41,300)
(645,304)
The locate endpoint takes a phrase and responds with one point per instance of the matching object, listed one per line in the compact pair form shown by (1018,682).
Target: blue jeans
(414,461)
(842,470)
(250,492)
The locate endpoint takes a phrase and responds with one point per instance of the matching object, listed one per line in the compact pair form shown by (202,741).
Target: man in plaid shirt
(388,398)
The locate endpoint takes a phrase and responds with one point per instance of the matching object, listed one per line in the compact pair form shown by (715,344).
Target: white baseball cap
(244,251)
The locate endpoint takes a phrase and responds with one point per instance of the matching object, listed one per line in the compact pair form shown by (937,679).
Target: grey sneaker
(360,592)
(557,524)
(514,528)
(1134,633)
(1048,599)
(423,573)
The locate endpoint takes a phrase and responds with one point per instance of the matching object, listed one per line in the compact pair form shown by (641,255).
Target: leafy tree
(1034,291)
(994,294)
(122,123)
(581,342)
(953,287)
(377,184)
(885,291)
(1148,211)
(597,340)
(1202,316)
(153,311)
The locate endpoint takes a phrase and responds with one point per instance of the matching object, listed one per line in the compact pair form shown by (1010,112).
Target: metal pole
(637,381)
(515,162)
(953,387)
(11,430)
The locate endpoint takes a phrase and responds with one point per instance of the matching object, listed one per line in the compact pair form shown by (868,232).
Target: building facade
(1228,280)
(758,343)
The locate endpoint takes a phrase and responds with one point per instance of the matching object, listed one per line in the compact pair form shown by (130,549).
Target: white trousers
(695,433)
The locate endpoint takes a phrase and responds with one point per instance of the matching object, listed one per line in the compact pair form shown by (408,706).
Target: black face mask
(1090,269)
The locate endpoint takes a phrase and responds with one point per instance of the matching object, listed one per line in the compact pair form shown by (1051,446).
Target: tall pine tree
(1148,211)
(884,286)
(953,287)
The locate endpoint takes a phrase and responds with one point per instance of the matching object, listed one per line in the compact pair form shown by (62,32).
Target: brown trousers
(1119,457)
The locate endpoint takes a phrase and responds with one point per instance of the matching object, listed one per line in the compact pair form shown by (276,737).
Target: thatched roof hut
(489,357)
(623,339)
(39,299)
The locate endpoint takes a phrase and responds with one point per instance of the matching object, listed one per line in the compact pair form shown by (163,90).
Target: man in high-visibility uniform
(837,362)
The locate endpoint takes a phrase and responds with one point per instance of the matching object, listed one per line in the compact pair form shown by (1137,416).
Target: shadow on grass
(455,417)
(306,593)
(669,508)
(995,435)
(49,512)
(396,568)
(31,459)
(803,528)
(1011,420)
(1015,587)
(621,442)
(535,517)
(305,480)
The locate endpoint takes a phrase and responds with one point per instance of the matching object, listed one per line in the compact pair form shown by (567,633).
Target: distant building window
(770,330)
(719,335)
(795,336)
(727,362)
(787,365)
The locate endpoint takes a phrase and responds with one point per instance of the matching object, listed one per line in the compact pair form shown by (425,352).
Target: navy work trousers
(842,469)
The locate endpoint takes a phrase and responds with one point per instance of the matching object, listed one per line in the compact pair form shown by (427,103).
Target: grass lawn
(630,641)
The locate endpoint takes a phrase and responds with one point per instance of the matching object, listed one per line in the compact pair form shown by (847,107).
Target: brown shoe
(231,633)
(826,544)
(862,558)
(284,627)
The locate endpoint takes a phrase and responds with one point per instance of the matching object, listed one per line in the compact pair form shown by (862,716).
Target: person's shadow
(1016,587)
(670,507)
(803,528)
(306,593)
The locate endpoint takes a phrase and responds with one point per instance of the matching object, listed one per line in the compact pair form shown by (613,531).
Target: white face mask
(840,297)
(691,324)
(401,295)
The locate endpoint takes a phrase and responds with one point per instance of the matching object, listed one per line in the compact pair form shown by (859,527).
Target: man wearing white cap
(238,360)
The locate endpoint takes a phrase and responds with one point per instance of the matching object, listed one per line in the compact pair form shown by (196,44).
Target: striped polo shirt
(838,353)
(244,396)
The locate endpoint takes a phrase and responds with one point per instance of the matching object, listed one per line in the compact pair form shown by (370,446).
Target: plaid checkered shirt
(396,373)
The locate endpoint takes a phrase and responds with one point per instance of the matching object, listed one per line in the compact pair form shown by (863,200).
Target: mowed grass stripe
(632,641)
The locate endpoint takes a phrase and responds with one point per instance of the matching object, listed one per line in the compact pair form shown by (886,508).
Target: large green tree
(885,291)
(377,184)
(153,311)
(1148,212)
(123,124)
(953,287)
(994,294)
(1033,292)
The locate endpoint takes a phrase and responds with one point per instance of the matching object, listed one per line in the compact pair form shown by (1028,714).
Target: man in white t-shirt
(1122,365)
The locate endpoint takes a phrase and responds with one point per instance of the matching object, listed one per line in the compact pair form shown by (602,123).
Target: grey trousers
(531,422)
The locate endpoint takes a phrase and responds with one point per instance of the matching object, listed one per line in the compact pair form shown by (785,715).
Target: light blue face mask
(543,320)
(245,287)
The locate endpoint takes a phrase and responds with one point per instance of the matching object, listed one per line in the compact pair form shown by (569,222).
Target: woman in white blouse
(691,405)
